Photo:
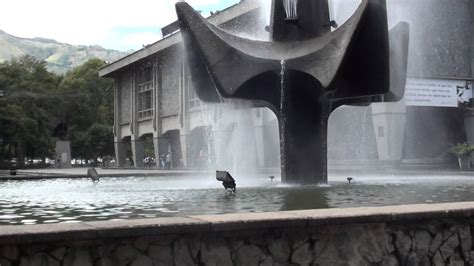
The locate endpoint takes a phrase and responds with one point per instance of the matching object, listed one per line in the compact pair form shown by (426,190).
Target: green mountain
(60,57)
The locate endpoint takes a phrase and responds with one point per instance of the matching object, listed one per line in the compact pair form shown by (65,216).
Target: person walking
(162,161)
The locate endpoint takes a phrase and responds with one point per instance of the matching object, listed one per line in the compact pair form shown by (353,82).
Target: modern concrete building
(441,56)
(155,101)
(419,130)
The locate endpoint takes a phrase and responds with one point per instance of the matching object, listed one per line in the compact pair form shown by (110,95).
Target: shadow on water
(228,202)
(305,198)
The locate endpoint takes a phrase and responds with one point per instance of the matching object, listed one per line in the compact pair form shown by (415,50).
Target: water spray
(291,10)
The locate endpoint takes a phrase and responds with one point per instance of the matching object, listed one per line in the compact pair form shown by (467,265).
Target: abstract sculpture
(304,73)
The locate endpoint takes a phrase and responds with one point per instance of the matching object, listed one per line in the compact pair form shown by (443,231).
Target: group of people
(164,161)
(148,161)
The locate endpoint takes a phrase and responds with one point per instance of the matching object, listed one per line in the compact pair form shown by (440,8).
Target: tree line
(34,101)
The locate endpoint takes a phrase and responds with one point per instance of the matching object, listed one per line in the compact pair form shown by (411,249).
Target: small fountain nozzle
(227,180)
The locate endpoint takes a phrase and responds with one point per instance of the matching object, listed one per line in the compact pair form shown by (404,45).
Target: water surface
(76,200)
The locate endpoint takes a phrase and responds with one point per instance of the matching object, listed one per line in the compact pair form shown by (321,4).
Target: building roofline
(175,38)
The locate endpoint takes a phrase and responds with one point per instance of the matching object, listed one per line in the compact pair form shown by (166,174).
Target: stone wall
(400,235)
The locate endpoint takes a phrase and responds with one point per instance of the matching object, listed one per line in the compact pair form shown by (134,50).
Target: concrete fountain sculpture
(304,73)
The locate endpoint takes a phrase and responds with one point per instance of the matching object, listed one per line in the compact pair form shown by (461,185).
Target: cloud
(91,22)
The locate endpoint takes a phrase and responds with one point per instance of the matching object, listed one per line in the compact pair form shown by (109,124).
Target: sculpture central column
(312,20)
(303,121)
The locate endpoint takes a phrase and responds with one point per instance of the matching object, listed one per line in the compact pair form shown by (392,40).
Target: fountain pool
(76,200)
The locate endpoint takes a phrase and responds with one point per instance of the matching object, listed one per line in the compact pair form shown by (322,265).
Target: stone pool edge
(90,231)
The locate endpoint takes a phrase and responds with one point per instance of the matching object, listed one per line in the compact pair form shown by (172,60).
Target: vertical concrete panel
(440,36)
(183,116)
(116,125)
(389,124)
(125,94)
(184,150)
(156,149)
(469,121)
(158,98)
(170,70)
(162,146)
(471,16)
(176,149)
(121,153)
(138,150)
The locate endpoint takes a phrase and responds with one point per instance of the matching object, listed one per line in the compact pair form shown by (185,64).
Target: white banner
(432,92)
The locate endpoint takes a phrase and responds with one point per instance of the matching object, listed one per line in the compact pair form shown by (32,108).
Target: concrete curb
(86,231)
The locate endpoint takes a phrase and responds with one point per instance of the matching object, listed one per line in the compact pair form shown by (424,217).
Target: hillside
(60,57)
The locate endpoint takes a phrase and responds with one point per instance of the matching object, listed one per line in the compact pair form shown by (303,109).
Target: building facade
(156,106)
(155,101)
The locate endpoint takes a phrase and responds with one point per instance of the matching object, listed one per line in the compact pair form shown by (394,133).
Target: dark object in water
(92,174)
(271,178)
(349,179)
(227,180)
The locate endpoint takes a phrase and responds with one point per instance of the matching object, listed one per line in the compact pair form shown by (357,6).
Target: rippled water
(75,200)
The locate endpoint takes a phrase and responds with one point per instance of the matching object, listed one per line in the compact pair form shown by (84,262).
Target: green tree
(27,108)
(37,100)
(88,110)
(99,138)
(89,97)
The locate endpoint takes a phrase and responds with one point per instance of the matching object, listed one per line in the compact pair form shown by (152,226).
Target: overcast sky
(112,24)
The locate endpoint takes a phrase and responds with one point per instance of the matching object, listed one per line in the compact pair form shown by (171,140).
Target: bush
(461,149)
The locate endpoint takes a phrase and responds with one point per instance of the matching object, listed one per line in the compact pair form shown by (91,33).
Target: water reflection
(69,201)
(305,198)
